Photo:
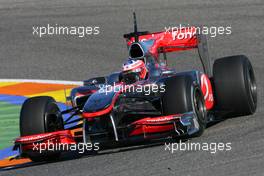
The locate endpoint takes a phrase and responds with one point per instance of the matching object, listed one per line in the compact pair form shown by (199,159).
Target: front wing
(146,128)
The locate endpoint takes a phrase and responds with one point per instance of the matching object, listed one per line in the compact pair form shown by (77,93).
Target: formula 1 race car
(165,104)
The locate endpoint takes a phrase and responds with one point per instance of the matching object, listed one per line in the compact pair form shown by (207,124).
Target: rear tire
(40,115)
(235,85)
(183,95)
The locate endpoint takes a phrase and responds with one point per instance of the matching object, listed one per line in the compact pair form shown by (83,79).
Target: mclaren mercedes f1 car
(178,103)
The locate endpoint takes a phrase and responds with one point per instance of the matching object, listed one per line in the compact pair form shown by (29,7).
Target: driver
(133,71)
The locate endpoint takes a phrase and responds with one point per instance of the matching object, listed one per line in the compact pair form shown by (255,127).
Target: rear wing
(173,41)
(169,41)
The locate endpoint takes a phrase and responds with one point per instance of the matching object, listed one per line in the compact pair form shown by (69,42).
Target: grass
(9,124)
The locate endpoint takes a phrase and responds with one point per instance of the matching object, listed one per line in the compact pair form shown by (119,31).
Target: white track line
(43,81)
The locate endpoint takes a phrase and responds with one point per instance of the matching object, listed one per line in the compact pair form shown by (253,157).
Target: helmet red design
(135,66)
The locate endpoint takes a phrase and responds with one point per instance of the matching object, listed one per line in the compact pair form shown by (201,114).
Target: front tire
(183,95)
(40,115)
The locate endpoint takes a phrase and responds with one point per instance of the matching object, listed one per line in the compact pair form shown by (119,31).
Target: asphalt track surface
(23,55)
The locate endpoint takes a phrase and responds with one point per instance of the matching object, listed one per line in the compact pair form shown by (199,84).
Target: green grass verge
(9,124)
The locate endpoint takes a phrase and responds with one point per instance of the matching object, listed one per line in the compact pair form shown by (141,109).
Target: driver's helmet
(134,70)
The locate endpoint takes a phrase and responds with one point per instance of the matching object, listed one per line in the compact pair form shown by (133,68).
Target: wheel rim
(53,119)
(252,85)
(199,105)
